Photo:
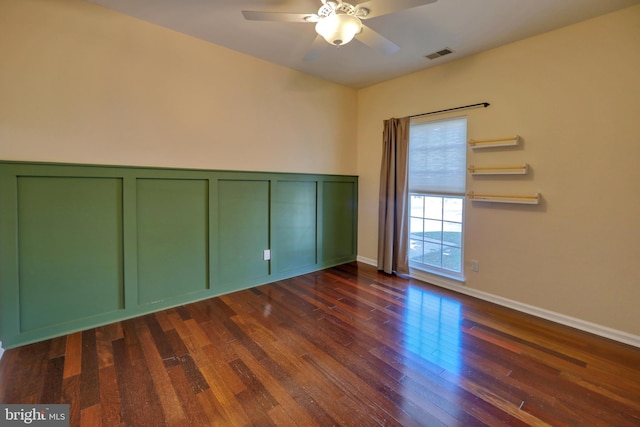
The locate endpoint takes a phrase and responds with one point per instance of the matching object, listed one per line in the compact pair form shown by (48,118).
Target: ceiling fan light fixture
(339,29)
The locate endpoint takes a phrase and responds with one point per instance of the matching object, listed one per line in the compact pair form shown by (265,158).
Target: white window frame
(428,268)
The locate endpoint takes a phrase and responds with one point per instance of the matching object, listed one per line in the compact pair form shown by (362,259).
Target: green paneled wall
(83,245)
(339,221)
(243,232)
(295,225)
(69,249)
(173,238)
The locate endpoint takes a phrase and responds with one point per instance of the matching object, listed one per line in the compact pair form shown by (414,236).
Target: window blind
(437,156)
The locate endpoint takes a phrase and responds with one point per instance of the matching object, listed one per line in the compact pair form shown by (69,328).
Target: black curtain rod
(481,104)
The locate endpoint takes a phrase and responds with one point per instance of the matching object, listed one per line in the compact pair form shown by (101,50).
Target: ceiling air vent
(438,54)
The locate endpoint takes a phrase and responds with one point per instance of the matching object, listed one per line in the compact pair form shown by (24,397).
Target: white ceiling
(465,26)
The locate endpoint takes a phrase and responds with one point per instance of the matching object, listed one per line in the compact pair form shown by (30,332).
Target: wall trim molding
(583,325)
(368,261)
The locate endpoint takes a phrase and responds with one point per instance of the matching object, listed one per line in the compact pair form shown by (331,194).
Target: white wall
(83,84)
(574,96)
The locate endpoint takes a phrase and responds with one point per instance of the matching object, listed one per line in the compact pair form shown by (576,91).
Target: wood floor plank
(103,348)
(173,412)
(163,320)
(160,341)
(71,396)
(620,395)
(212,408)
(219,337)
(58,347)
(566,390)
(91,416)
(140,404)
(345,346)
(223,393)
(130,339)
(293,366)
(375,403)
(73,355)
(10,373)
(195,415)
(195,378)
(254,387)
(215,359)
(177,344)
(288,393)
(110,403)
(200,338)
(89,383)
(105,335)
(34,356)
(52,388)
(280,417)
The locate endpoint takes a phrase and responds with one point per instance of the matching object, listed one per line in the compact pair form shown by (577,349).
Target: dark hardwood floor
(344,346)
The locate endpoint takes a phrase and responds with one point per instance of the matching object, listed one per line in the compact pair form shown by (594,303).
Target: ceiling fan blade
(317,47)
(384,7)
(278,16)
(377,41)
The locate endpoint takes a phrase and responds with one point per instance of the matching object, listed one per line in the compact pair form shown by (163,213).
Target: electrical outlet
(266,255)
(475,265)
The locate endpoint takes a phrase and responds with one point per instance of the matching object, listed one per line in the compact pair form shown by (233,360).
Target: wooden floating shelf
(522,169)
(533,199)
(492,143)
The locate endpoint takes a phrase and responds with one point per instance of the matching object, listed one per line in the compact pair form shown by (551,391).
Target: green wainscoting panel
(339,213)
(86,245)
(243,232)
(294,225)
(173,238)
(69,249)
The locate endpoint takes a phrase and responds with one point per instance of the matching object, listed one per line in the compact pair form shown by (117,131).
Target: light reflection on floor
(432,328)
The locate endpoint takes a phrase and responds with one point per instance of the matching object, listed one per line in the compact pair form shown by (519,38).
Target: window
(437,181)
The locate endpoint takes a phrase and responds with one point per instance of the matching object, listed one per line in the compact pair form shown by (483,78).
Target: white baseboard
(562,319)
(369,261)
(1,350)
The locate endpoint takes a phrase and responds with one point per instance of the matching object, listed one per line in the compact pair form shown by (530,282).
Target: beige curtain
(393,222)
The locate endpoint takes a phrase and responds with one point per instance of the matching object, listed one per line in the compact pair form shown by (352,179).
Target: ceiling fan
(338,22)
